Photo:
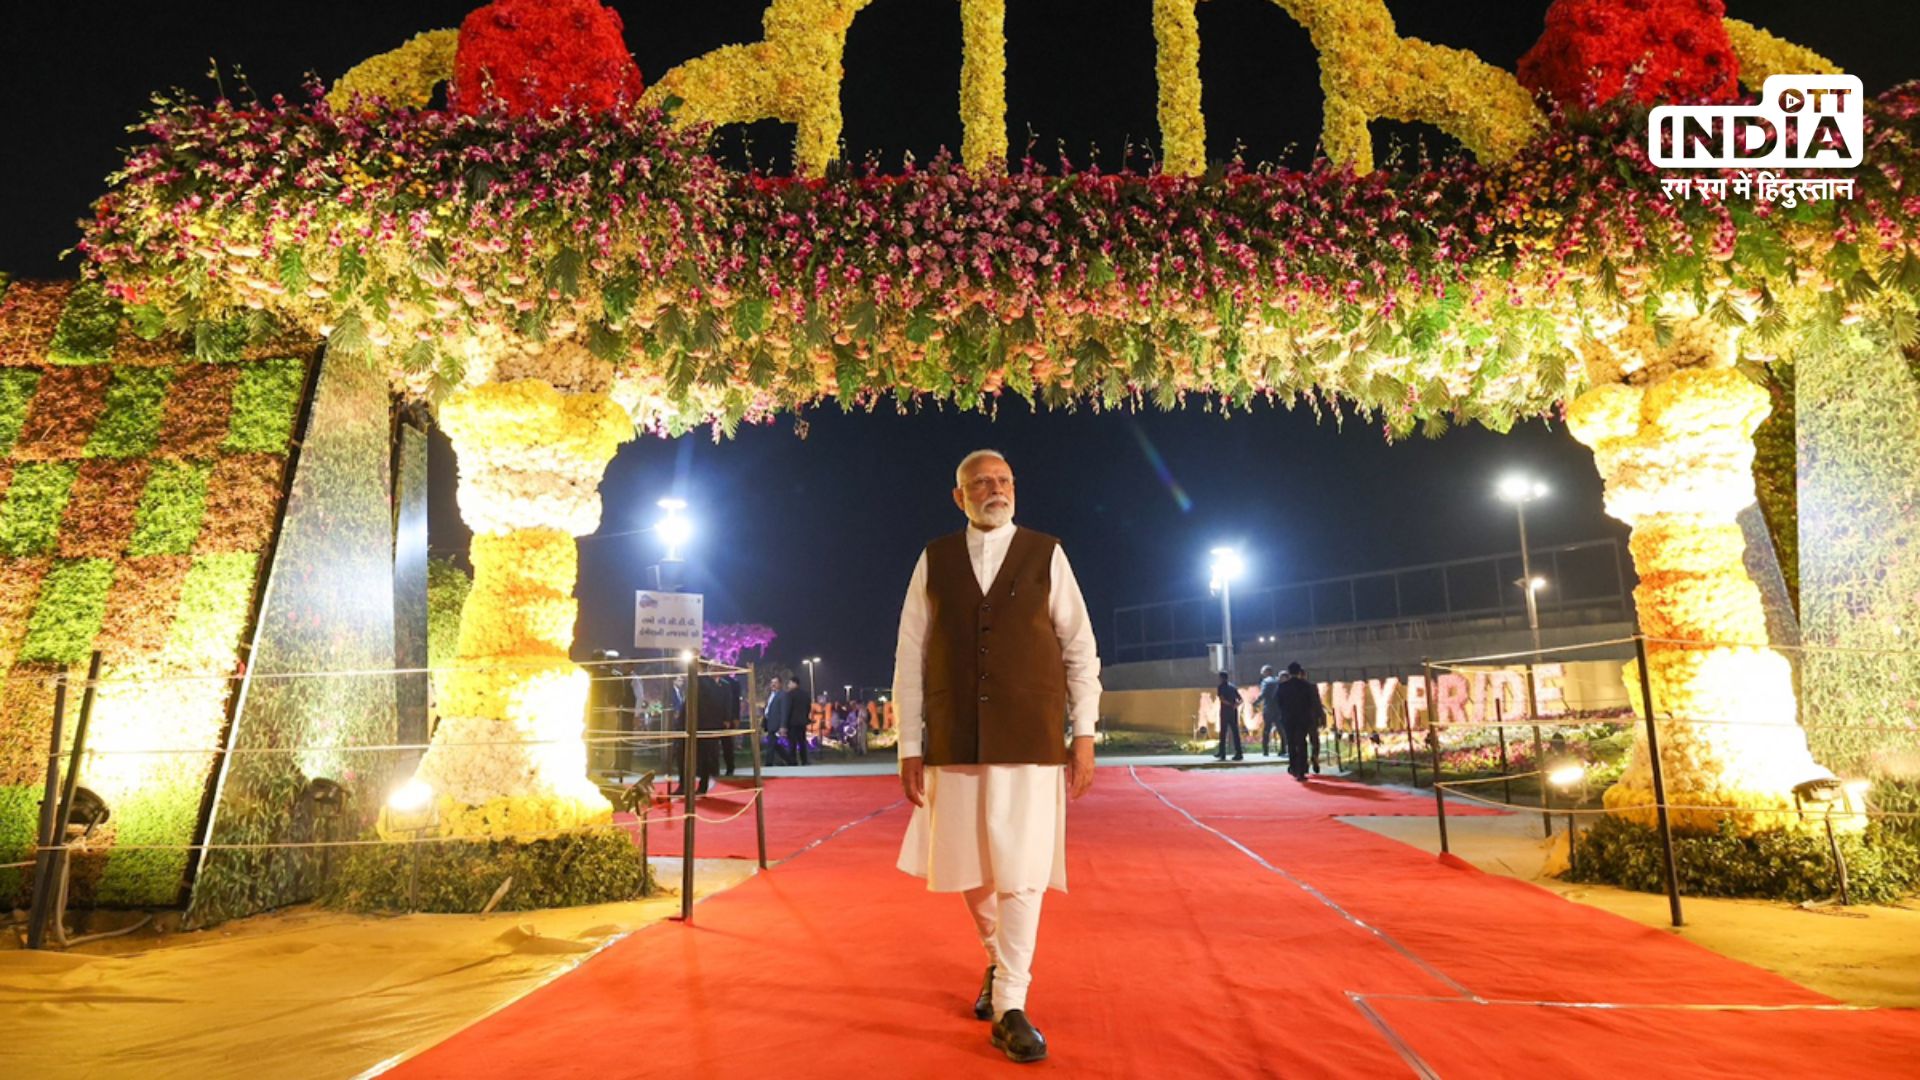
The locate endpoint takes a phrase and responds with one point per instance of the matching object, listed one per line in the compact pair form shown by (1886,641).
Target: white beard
(995,516)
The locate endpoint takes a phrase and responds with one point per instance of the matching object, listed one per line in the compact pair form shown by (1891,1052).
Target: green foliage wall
(411,582)
(447,589)
(328,608)
(140,485)
(1776,472)
(1858,422)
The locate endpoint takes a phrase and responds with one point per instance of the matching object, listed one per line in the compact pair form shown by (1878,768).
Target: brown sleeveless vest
(996,683)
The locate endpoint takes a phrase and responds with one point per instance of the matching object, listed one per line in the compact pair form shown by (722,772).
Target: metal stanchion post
(1433,736)
(689,765)
(1539,750)
(759,779)
(57,911)
(1573,837)
(1506,770)
(413,871)
(1659,782)
(1413,754)
(49,802)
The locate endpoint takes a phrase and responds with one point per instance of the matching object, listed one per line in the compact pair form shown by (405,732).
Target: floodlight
(1227,563)
(411,797)
(1820,789)
(88,810)
(1566,776)
(1518,488)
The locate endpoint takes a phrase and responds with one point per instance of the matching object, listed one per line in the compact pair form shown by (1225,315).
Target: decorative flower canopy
(444,243)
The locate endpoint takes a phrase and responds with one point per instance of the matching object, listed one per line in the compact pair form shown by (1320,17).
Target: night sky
(816,536)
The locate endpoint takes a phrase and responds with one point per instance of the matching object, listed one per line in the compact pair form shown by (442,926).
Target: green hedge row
(460,876)
(1882,866)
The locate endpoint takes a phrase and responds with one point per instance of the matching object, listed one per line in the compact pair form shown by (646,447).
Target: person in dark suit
(774,718)
(715,701)
(1270,711)
(730,689)
(1229,718)
(799,713)
(1301,714)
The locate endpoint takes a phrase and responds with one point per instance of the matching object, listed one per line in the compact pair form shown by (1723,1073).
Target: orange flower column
(509,755)
(1677,458)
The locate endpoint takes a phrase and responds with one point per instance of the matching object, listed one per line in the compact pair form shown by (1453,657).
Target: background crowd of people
(1288,705)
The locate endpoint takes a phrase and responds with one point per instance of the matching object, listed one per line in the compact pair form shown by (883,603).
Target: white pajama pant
(1009,927)
(996,834)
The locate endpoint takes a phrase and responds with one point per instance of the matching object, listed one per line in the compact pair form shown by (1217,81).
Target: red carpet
(1292,946)
(799,812)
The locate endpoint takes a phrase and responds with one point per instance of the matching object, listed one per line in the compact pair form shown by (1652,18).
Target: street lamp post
(810,662)
(1227,565)
(1521,490)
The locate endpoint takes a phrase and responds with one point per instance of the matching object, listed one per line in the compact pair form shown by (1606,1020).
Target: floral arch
(559,266)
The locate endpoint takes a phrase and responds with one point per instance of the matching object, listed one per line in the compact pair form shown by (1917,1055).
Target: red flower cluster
(533,56)
(1655,50)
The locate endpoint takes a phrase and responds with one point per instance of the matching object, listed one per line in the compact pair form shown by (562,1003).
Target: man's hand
(1080,767)
(913,780)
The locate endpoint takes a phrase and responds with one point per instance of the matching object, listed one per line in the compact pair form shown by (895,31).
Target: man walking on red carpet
(996,654)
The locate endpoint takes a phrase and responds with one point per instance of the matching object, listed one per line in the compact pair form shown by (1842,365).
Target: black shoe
(983,1005)
(1239,757)
(1016,1037)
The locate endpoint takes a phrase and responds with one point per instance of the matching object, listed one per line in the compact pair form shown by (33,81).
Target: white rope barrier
(753,797)
(606,740)
(1816,813)
(707,668)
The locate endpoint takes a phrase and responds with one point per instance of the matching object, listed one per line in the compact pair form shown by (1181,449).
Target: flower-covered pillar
(509,755)
(1677,459)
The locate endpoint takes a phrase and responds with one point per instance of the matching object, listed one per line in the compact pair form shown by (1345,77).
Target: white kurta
(998,825)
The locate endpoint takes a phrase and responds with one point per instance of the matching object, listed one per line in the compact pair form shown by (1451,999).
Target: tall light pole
(1226,566)
(1519,489)
(810,662)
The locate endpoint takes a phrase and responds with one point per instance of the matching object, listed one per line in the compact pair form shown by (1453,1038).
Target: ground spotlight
(1566,776)
(1824,791)
(88,812)
(324,795)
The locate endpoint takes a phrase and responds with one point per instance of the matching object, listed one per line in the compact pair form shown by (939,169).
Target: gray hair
(960,471)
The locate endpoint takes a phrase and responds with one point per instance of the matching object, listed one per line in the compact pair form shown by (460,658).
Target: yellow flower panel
(983,84)
(1761,54)
(1722,608)
(404,76)
(531,558)
(1681,546)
